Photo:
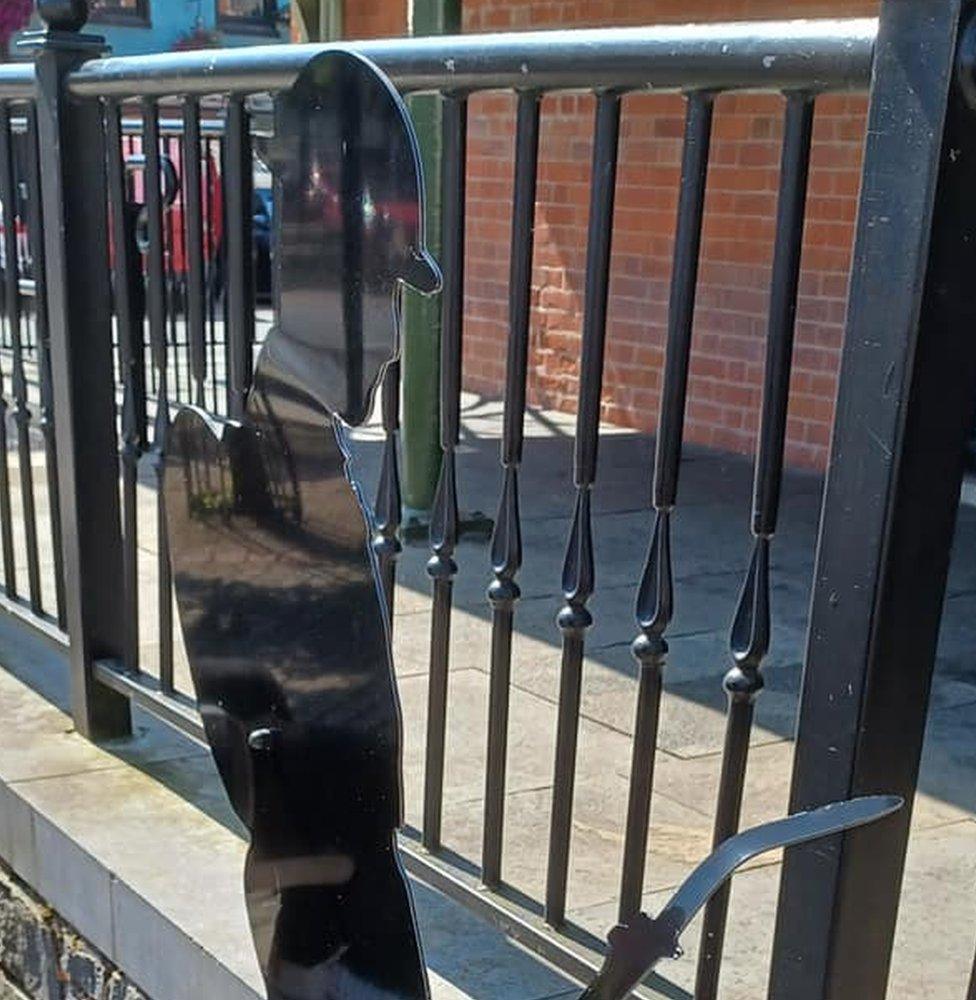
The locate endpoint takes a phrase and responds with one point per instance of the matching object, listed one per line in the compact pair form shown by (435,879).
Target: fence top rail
(812,55)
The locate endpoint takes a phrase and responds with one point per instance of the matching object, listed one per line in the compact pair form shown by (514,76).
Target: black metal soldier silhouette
(284,623)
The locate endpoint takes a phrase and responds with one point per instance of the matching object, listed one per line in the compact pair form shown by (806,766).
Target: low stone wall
(43,958)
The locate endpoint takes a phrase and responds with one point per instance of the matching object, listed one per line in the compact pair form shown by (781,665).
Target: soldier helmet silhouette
(349,225)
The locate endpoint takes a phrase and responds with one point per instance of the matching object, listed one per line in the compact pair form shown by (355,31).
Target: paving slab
(63,752)
(948,770)
(676,837)
(531,747)
(936,930)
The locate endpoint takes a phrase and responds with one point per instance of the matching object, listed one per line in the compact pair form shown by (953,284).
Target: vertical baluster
(215,279)
(18,140)
(156,277)
(749,639)
(6,512)
(221,309)
(444,517)
(195,300)
(655,597)
(578,579)
(218,252)
(4,336)
(170,276)
(181,268)
(386,541)
(137,147)
(23,252)
(211,272)
(4,332)
(506,543)
(179,323)
(137,302)
(35,227)
(239,278)
(126,276)
(21,411)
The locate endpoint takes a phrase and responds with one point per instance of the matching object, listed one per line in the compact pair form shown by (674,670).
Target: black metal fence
(94,365)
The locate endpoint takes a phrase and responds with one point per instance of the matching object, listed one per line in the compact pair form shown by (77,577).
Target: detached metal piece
(286,630)
(638,945)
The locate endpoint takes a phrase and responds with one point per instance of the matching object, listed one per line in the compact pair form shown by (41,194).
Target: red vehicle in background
(174,222)
(212,208)
(176,257)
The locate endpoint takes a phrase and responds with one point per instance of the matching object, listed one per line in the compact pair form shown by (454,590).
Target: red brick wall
(728,346)
(374,18)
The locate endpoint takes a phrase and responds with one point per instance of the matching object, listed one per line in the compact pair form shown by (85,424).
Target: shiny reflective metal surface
(820,54)
(284,623)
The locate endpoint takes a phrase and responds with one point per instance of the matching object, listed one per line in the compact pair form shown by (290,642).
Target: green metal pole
(316,20)
(421,316)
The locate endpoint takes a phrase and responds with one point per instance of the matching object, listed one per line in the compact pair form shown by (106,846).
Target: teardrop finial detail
(749,640)
(63,15)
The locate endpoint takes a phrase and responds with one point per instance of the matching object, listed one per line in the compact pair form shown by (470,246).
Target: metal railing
(906,371)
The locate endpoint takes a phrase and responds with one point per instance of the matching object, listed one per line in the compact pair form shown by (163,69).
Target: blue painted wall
(172,19)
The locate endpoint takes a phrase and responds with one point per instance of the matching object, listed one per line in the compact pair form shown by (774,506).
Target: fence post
(905,403)
(73,186)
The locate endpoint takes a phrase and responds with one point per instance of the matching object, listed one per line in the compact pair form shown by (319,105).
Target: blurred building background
(136,26)
(737,248)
